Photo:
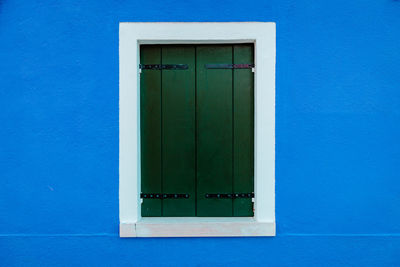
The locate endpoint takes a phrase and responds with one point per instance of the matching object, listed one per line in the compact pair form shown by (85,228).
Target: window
(196,124)
(197,129)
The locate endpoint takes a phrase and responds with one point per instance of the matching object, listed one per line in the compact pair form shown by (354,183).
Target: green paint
(150,130)
(243,140)
(178,139)
(214,130)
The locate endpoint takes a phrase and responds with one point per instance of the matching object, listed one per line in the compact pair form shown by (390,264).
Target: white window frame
(131,36)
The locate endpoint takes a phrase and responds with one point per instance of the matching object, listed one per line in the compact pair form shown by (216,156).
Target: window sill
(196,227)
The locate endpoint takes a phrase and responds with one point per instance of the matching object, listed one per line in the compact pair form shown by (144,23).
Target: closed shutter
(197,130)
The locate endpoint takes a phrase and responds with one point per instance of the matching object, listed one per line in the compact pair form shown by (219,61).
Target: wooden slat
(178,131)
(243,110)
(214,130)
(150,130)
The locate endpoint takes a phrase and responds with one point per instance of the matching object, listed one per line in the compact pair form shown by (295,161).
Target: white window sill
(196,227)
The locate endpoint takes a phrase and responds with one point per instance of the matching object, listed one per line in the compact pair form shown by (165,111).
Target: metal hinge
(163,66)
(163,196)
(233,195)
(229,66)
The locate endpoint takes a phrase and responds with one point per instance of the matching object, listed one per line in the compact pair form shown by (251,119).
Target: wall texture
(337,134)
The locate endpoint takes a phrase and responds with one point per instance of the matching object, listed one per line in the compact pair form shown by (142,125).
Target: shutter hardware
(234,195)
(163,196)
(163,66)
(229,66)
(185,66)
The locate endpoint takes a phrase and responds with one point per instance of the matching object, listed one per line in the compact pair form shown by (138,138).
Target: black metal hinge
(163,196)
(229,66)
(163,66)
(233,195)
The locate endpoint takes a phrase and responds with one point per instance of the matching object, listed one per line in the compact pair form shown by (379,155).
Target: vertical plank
(150,130)
(243,148)
(178,130)
(214,130)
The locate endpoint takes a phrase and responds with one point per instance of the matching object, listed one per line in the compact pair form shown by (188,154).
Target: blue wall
(337,134)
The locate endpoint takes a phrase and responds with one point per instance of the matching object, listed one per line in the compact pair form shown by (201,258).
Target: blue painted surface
(337,134)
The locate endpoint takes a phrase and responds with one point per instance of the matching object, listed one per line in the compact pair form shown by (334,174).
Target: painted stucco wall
(337,134)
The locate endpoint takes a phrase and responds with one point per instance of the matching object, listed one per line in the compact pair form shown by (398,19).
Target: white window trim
(131,36)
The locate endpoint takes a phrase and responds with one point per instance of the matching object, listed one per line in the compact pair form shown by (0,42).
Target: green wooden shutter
(197,128)
(178,131)
(150,130)
(214,130)
(243,134)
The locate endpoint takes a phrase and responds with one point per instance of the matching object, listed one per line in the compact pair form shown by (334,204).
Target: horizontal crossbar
(233,195)
(229,66)
(163,66)
(163,196)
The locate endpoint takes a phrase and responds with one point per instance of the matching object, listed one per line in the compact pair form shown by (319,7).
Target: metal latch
(229,66)
(163,66)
